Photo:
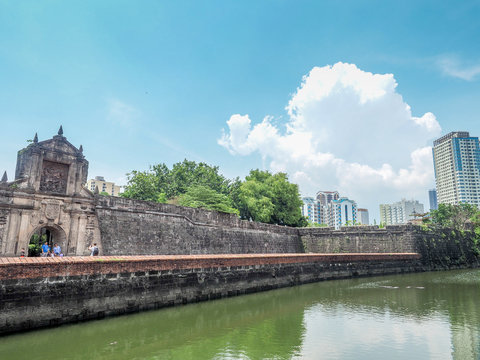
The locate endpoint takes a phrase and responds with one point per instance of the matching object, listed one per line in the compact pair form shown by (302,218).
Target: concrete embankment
(40,292)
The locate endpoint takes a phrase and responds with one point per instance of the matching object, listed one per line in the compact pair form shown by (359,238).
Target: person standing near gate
(45,249)
(93,249)
(57,250)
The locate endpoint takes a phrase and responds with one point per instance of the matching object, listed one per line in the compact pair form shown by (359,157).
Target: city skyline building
(456,159)
(400,212)
(432,197)
(312,210)
(325,197)
(316,209)
(103,186)
(342,212)
(362,216)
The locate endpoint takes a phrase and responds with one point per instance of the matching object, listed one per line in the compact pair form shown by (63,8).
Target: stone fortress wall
(48,194)
(143,228)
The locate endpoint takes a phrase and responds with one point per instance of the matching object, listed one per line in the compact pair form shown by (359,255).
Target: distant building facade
(362,216)
(400,212)
(330,209)
(342,212)
(456,158)
(326,197)
(316,209)
(312,210)
(103,186)
(432,197)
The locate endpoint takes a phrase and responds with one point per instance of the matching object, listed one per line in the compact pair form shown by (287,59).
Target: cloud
(347,130)
(451,66)
(121,113)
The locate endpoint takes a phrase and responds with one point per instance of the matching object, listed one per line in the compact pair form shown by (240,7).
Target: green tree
(160,184)
(35,245)
(271,199)
(142,185)
(201,196)
(455,216)
(188,173)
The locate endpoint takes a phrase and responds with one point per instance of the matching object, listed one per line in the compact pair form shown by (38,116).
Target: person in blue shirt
(57,250)
(45,249)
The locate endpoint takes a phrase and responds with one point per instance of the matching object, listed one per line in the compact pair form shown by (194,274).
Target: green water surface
(416,316)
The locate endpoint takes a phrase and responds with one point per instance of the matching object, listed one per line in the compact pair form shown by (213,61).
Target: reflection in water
(417,316)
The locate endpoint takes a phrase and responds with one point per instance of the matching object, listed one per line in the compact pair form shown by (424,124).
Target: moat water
(417,316)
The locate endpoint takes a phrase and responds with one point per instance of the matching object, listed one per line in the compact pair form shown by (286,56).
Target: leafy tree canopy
(261,197)
(200,196)
(160,183)
(456,216)
(142,185)
(270,198)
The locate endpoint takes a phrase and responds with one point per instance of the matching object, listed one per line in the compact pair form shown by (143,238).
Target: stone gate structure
(48,196)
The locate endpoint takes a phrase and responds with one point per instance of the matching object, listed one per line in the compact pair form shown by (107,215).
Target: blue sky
(144,82)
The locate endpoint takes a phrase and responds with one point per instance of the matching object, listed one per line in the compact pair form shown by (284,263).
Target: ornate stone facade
(48,195)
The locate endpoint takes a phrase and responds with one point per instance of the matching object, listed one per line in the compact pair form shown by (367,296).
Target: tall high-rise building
(325,197)
(432,197)
(400,212)
(312,210)
(456,157)
(342,212)
(330,209)
(362,216)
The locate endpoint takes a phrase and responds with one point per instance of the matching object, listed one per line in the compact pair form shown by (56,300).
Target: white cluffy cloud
(347,130)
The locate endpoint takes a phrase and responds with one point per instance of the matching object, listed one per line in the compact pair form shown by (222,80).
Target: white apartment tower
(362,216)
(400,212)
(456,158)
(324,198)
(342,212)
(312,210)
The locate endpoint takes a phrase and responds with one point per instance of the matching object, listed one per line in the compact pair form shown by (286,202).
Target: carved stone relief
(54,177)
(34,218)
(52,210)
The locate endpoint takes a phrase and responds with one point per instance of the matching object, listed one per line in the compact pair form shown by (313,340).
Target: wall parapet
(22,268)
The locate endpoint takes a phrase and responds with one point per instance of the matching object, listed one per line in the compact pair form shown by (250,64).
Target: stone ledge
(22,268)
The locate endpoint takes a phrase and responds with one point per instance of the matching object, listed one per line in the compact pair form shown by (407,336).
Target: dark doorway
(49,234)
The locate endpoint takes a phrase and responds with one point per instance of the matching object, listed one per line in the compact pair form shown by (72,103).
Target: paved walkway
(247,258)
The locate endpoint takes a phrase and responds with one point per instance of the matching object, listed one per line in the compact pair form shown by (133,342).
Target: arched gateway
(52,234)
(48,197)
